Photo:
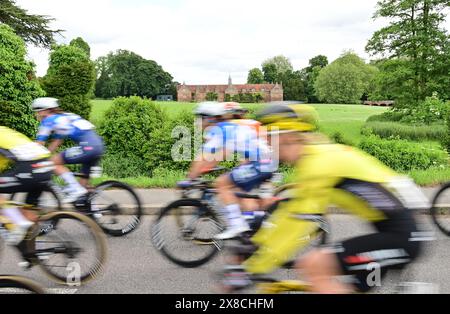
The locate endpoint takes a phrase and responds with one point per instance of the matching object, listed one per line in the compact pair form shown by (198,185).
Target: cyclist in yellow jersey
(354,181)
(24,167)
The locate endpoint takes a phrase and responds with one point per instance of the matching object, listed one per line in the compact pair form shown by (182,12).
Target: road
(134,266)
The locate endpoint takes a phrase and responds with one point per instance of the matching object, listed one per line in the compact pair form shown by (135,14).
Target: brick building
(188,93)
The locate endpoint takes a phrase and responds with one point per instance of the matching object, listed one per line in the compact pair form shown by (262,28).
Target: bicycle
(114,205)
(268,285)
(60,248)
(19,285)
(440,209)
(197,220)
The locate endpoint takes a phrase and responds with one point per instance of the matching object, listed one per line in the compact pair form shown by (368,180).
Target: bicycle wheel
(47,200)
(116,207)
(19,285)
(71,253)
(184,232)
(440,209)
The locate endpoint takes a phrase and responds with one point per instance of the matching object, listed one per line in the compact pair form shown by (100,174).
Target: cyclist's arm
(208,157)
(198,167)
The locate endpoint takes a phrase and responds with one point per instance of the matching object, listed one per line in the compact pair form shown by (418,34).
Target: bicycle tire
(18,282)
(58,204)
(100,247)
(434,211)
(175,209)
(135,215)
(57,207)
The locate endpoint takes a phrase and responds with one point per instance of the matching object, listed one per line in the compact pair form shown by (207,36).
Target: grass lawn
(345,119)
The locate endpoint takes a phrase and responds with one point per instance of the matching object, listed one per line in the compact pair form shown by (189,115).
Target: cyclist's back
(24,167)
(65,125)
(342,176)
(332,174)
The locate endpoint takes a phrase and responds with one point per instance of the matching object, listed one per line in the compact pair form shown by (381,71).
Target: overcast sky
(203,41)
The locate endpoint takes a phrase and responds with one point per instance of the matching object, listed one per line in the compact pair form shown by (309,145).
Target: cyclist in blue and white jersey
(59,126)
(223,140)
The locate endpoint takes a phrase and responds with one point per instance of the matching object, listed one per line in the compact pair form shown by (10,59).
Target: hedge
(434,132)
(402,155)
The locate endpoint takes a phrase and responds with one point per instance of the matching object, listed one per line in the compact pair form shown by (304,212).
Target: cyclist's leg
(245,177)
(231,210)
(30,177)
(365,260)
(69,156)
(321,269)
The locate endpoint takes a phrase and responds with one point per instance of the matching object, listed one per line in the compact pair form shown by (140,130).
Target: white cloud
(202,41)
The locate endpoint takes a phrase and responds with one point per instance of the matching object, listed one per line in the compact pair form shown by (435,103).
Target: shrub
(161,154)
(429,111)
(18,117)
(404,131)
(132,127)
(337,137)
(117,165)
(18,85)
(390,115)
(402,155)
(211,96)
(70,78)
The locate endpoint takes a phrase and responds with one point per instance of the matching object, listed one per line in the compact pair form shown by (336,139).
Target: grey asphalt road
(135,266)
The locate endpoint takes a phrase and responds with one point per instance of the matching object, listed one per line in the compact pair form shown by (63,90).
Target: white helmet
(44,103)
(234,107)
(211,109)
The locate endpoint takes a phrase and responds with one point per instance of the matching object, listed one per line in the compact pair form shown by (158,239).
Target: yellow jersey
(318,173)
(15,146)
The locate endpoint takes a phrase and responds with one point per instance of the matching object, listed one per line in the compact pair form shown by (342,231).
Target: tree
(393,81)
(70,78)
(293,86)
(80,43)
(18,85)
(415,36)
(33,29)
(345,80)
(318,61)
(255,76)
(275,67)
(125,73)
(311,73)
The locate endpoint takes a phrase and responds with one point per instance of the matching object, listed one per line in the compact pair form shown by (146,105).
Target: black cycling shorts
(367,259)
(26,176)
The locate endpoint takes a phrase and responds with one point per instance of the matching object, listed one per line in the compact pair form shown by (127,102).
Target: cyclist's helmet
(281,118)
(235,108)
(44,103)
(210,109)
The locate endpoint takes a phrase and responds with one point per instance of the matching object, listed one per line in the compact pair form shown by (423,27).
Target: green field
(345,119)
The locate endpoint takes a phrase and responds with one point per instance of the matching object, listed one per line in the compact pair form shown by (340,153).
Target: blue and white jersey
(62,126)
(233,138)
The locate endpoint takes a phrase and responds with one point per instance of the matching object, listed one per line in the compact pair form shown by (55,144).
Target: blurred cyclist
(24,167)
(59,126)
(224,139)
(351,180)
